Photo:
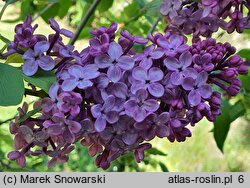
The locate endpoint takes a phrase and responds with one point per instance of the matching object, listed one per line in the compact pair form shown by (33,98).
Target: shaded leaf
(163,167)
(222,123)
(154,151)
(42,79)
(11,85)
(64,7)
(105,5)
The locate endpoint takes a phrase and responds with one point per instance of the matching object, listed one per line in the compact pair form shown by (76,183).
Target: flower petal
(126,62)
(172,63)
(205,91)
(41,47)
(201,78)
(162,118)
(112,117)
(120,90)
(156,89)
(103,61)
(176,78)
(139,73)
(146,63)
(190,72)
(109,103)
(69,84)
(155,74)
(46,63)
(114,73)
(76,71)
(150,105)
(83,84)
(90,71)
(194,98)
(96,110)
(185,59)
(100,124)
(139,114)
(74,126)
(115,50)
(30,67)
(129,138)
(157,53)
(188,83)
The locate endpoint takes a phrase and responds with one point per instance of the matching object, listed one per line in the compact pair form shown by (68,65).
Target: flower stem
(84,21)
(154,26)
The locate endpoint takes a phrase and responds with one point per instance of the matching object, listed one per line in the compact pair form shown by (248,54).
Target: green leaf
(237,110)
(163,167)
(11,85)
(64,7)
(130,11)
(152,8)
(222,123)
(14,58)
(27,8)
(4,39)
(245,53)
(105,5)
(42,79)
(51,12)
(245,79)
(154,151)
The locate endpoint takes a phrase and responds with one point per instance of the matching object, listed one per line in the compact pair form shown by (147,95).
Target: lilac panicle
(115,100)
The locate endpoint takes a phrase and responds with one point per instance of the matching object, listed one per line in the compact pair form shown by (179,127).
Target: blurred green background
(198,153)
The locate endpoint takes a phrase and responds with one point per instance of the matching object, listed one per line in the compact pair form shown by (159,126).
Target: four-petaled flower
(115,61)
(104,113)
(198,88)
(80,77)
(139,106)
(180,67)
(149,54)
(36,58)
(148,79)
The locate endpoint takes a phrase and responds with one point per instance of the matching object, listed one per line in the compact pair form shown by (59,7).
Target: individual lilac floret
(198,88)
(154,125)
(55,26)
(180,67)
(148,80)
(80,77)
(110,31)
(140,106)
(36,58)
(25,34)
(203,62)
(149,54)
(104,113)
(175,44)
(139,151)
(170,7)
(58,125)
(134,39)
(69,102)
(115,61)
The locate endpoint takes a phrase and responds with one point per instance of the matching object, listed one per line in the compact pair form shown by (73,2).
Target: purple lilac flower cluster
(202,18)
(115,100)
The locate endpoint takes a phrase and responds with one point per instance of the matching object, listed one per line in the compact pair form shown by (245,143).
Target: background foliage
(224,146)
